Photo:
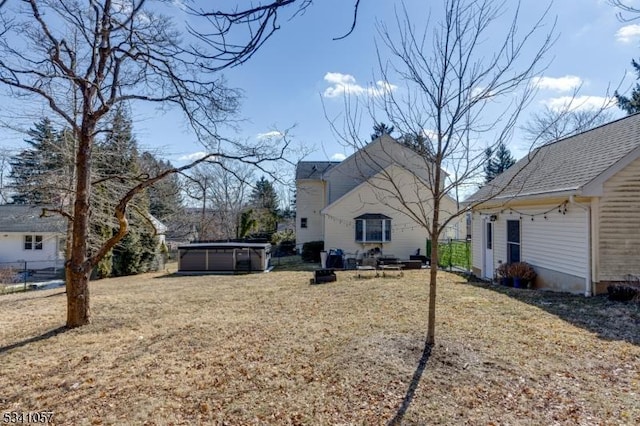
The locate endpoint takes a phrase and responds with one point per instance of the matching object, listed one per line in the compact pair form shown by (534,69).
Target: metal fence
(26,272)
(453,254)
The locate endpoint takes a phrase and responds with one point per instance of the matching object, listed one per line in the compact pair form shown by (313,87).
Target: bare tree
(628,12)
(222,194)
(457,96)
(5,157)
(553,124)
(82,59)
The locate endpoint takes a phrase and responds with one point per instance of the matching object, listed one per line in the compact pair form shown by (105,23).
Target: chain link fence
(26,273)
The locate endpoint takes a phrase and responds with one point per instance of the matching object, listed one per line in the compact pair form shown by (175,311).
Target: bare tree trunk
(433,276)
(433,281)
(78,268)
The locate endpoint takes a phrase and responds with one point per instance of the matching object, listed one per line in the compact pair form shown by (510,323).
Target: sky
(301,72)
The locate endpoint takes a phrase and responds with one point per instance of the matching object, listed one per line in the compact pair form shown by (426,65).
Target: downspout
(587,286)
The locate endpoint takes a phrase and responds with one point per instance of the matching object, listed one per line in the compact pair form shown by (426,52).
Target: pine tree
(165,199)
(497,162)
(265,203)
(380,129)
(264,195)
(35,170)
(417,142)
(117,165)
(630,105)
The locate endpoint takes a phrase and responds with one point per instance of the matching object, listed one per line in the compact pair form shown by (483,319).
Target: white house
(350,205)
(571,209)
(27,237)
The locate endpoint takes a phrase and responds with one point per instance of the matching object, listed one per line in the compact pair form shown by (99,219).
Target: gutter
(587,284)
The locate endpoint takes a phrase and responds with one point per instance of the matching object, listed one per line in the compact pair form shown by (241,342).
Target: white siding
(12,250)
(310,200)
(376,156)
(619,225)
(558,243)
(406,235)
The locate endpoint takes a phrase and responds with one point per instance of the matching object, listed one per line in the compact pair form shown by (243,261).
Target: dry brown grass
(271,349)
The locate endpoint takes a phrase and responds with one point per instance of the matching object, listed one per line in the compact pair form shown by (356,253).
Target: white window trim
(34,243)
(384,231)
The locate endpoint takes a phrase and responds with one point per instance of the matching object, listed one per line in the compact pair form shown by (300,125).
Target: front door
(487,270)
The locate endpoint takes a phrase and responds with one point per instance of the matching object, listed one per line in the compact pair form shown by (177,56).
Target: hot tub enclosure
(224,257)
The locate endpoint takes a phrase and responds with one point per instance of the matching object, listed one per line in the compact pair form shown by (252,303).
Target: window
(513,241)
(303,222)
(33,242)
(489,235)
(373,228)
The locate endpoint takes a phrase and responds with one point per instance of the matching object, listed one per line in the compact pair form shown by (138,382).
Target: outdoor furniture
(419,257)
(396,270)
(351,263)
(412,264)
(321,276)
(364,269)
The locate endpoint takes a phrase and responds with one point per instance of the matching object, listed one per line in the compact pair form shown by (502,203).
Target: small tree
(449,84)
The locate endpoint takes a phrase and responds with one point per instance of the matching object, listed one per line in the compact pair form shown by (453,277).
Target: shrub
(623,292)
(311,251)
(503,270)
(281,236)
(522,270)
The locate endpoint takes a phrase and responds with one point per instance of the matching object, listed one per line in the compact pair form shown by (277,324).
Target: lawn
(272,349)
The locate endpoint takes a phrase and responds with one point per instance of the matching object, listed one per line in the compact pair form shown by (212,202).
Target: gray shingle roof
(567,164)
(313,169)
(21,218)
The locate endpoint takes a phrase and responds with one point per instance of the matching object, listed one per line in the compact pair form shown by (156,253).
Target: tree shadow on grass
(51,333)
(610,320)
(413,386)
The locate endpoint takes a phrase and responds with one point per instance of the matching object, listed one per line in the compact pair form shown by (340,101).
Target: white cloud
(193,156)
(578,103)
(338,156)
(628,33)
(559,84)
(431,134)
(269,135)
(345,84)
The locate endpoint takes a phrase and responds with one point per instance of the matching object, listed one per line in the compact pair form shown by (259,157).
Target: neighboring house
(27,237)
(571,208)
(347,204)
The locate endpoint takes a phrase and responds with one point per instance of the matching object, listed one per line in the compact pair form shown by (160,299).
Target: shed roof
(26,218)
(567,164)
(313,169)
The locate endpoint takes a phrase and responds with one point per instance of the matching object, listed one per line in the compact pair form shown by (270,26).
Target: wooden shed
(224,257)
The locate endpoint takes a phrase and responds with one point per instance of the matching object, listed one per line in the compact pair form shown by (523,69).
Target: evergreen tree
(417,142)
(165,200)
(264,196)
(497,162)
(630,105)
(35,171)
(265,203)
(380,129)
(117,165)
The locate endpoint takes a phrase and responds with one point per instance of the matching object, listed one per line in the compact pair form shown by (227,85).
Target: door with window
(487,270)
